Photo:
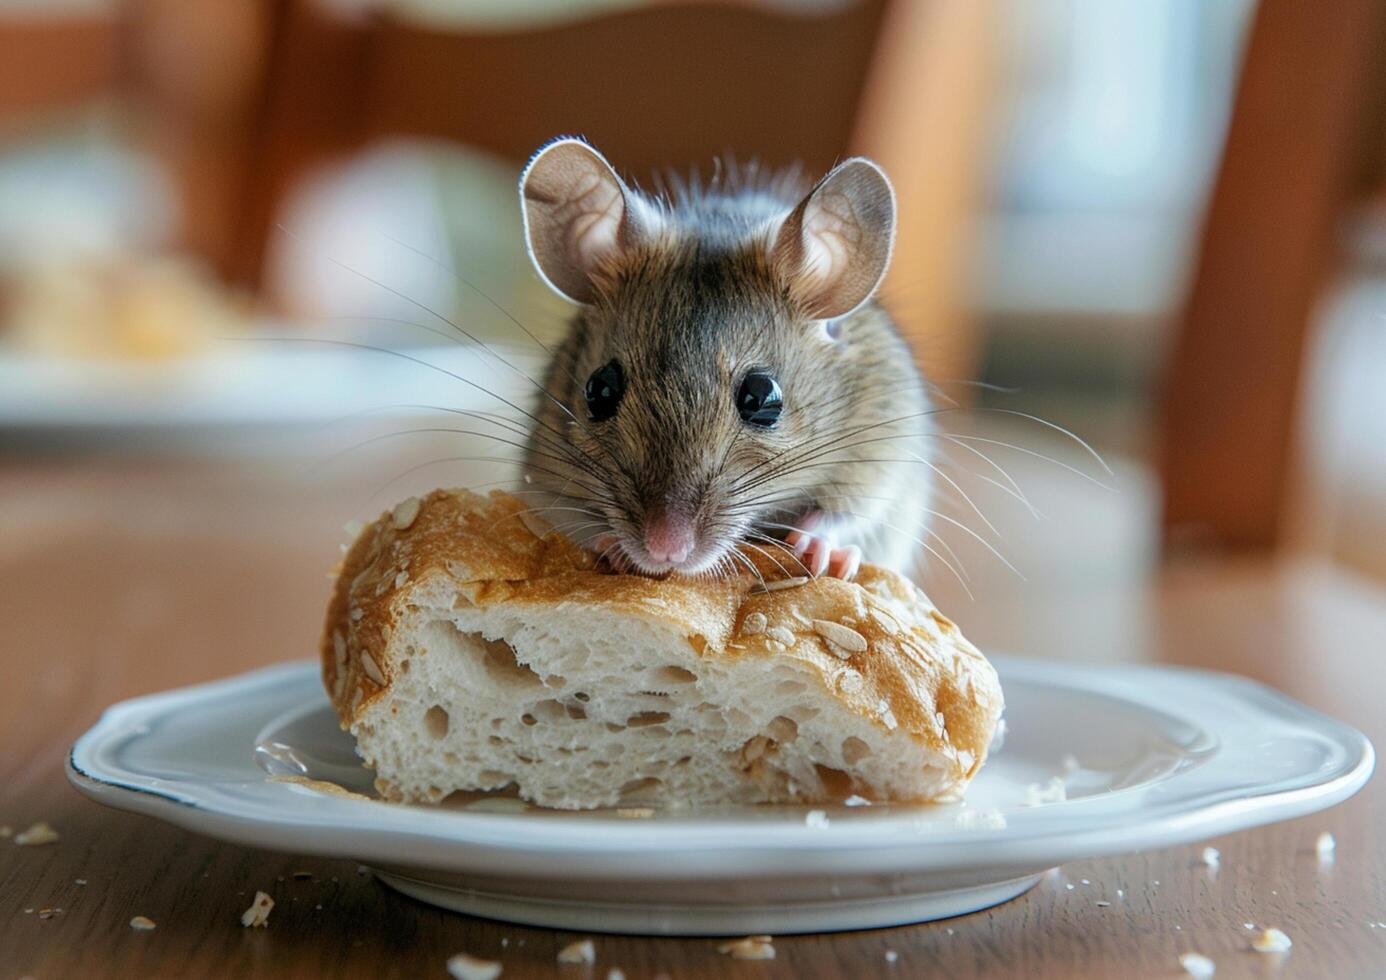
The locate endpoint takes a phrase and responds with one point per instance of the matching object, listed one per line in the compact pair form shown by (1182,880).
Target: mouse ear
(836,244)
(576,212)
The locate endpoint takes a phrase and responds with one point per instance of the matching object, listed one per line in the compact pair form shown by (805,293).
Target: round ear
(835,245)
(576,211)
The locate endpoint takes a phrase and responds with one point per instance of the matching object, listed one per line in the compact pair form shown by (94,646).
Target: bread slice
(466,652)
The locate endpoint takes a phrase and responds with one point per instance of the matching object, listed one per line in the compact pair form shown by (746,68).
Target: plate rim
(490,842)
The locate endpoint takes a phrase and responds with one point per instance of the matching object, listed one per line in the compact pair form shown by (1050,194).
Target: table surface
(122,579)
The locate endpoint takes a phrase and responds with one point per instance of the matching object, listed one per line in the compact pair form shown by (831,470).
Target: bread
(465,652)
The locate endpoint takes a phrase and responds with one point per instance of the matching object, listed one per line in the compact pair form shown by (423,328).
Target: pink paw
(819,552)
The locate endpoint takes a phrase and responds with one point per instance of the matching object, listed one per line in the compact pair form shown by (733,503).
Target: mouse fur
(688,292)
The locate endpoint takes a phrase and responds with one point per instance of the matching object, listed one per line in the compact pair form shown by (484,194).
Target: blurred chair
(655,86)
(52,63)
(1305,143)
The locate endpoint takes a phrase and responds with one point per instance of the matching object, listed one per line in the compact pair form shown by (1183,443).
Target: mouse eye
(604,390)
(758,400)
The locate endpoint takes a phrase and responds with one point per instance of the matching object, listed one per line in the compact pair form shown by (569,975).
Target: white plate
(1165,756)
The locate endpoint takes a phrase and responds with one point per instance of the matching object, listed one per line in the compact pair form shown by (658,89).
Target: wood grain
(120,580)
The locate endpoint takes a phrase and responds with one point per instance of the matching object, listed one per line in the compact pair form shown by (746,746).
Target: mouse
(729,382)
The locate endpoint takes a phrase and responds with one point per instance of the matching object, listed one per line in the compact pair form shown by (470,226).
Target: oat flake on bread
(506,659)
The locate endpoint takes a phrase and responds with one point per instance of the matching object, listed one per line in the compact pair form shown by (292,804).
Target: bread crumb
(615,974)
(143,923)
(322,786)
(535,524)
(855,800)
(464,967)
(79,881)
(38,834)
(48,913)
(843,641)
(753,624)
(891,956)
(581,951)
(980,820)
(750,948)
(1211,856)
(1325,846)
(1053,791)
(402,517)
(257,916)
(1271,941)
(817,819)
(635,812)
(1103,905)
(1196,965)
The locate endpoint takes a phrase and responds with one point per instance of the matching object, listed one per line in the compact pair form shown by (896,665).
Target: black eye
(604,391)
(758,399)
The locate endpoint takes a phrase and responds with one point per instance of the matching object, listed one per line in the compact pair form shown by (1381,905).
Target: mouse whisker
(569,528)
(450,322)
(378,491)
(585,511)
(423,430)
(954,436)
(352,345)
(737,556)
(749,543)
(500,421)
(1073,436)
(823,443)
(970,383)
(793,466)
(941,516)
(1010,486)
(942,475)
(370,318)
(961,576)
(480,292)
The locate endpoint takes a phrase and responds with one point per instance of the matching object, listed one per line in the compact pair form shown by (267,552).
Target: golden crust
(901,663)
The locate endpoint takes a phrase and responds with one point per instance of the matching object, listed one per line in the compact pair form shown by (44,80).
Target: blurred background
(1155,224)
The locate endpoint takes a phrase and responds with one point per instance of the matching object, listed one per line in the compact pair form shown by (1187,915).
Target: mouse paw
(814,545)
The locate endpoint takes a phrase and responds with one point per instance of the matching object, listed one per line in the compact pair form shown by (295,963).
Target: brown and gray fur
(687,301)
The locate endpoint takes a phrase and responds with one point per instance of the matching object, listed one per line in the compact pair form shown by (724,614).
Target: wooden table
(124,579)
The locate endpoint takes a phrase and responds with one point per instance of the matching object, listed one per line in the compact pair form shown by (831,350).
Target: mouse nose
(669,537)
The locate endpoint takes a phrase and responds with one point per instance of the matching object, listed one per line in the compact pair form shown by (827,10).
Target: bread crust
(911,668)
